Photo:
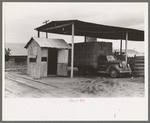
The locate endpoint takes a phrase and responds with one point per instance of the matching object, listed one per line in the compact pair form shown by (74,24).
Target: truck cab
(110,65)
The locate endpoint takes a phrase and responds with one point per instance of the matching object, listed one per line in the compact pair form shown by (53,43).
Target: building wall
(44,62)
(39,68)
(16,62)
(34,52)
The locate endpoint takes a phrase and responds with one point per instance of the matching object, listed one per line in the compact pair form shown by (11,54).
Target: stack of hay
(86,54)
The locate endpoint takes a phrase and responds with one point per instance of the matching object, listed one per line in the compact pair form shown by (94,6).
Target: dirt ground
(89,86)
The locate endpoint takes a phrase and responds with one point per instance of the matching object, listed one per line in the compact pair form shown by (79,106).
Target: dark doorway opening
(52,60)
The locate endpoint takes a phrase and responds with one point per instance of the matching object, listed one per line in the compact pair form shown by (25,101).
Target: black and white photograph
(75,56)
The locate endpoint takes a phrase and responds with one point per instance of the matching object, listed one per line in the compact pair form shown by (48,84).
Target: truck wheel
(113,73)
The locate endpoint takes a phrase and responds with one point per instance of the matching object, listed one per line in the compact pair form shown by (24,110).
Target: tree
(7,54)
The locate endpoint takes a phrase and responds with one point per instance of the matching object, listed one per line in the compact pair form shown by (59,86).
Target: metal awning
(82,28)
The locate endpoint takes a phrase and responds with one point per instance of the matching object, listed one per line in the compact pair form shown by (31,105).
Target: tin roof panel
(17,49)
(50,43)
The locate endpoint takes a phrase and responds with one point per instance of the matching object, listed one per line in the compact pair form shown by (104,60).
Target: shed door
(62,66)
(52,60)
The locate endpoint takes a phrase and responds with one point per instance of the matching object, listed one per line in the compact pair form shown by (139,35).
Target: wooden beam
(121,47)
(126,46)
(38,33)
(72,50)
(46,35)
(84,38)
(45,24)
(56,27)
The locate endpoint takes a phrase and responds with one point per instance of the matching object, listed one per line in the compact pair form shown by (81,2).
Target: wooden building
(47,57)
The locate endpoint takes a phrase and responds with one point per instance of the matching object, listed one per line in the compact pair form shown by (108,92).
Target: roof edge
(28,42)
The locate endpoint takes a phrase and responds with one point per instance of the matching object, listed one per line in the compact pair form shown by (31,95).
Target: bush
(7,54)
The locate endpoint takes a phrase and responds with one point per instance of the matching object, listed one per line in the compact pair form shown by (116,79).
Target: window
(18,60)
(110,58)
(32,59)
(44,59)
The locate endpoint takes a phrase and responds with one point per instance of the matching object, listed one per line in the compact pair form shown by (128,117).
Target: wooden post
(38,33)
(46,35)
(45,24)
(84,38)
(126,46)
(72,51)
(121,47)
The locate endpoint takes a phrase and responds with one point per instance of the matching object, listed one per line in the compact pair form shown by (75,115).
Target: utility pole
(72,51)
(45,22)
(126,46)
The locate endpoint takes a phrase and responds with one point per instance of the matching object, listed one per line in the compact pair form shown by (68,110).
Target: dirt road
(60,87)
(16,86)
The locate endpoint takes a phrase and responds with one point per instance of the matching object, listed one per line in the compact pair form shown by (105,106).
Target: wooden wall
(40,67)
(44,64)
(34,51)
(62,64)
(15,63)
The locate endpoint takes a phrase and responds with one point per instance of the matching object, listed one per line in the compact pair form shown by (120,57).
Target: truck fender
(112,66)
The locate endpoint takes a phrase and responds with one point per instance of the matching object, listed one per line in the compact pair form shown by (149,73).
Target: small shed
(47,56)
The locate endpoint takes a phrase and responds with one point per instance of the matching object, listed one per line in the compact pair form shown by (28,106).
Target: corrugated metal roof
(17,49)
(50,43)
(83,28)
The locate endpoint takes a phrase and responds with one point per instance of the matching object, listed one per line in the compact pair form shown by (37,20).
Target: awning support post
(121,47)
(46,35)
(126,46)
(72,50)
(84,38)
(38,34)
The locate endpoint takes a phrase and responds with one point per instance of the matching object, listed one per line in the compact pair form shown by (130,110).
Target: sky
(20,19)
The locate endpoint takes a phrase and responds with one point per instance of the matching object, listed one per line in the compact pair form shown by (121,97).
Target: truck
(96,57)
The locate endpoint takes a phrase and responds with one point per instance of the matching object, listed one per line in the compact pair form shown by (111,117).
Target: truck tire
(113,73)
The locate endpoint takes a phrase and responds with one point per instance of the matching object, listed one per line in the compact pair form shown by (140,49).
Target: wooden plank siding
(34,67)
(62,69)
(62,64)
(44,64)
(39,58)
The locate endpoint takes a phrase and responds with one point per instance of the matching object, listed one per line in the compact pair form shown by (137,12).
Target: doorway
(52,61)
